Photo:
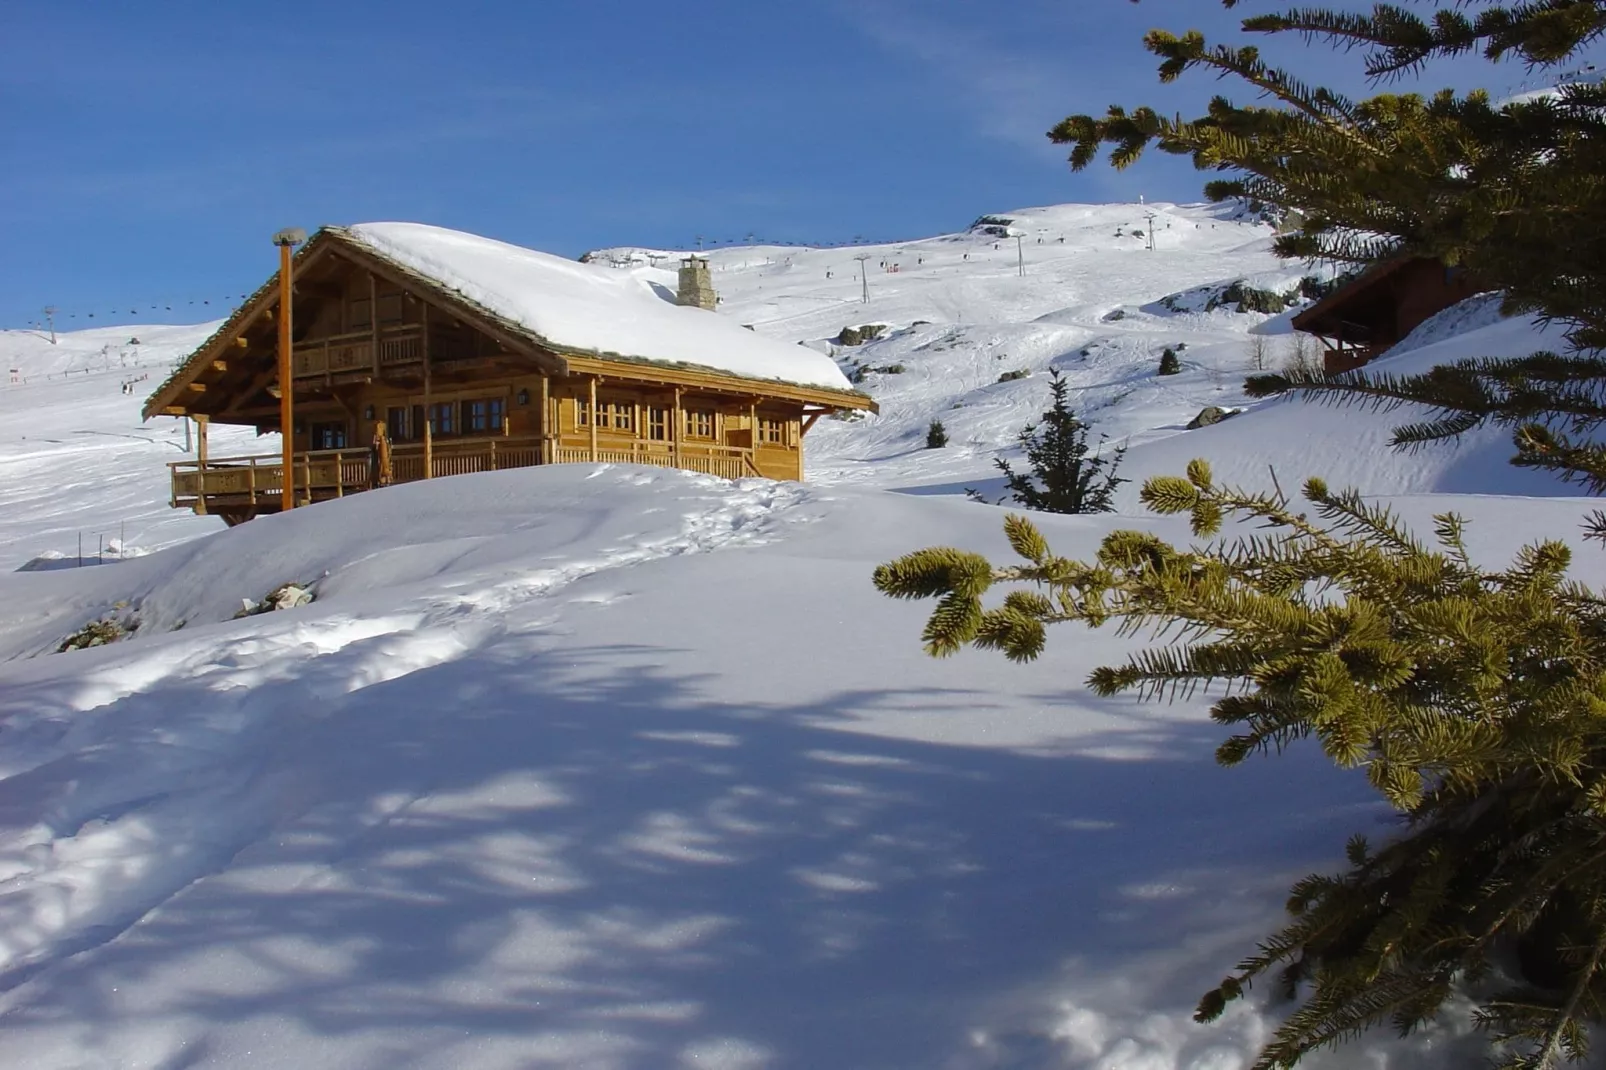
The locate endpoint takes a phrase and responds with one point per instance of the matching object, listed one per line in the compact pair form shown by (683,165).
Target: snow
(592,309)
(615,767)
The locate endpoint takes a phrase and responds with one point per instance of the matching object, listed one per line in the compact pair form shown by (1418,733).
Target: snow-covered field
(646,774)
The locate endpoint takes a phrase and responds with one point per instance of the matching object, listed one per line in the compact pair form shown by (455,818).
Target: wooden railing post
(593,421)
(493,454)
(306,473)
(373,321)
(429,414)
(200,463)
(251,481)
(674,438)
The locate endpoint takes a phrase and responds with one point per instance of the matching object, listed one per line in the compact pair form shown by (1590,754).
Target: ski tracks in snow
(131,771)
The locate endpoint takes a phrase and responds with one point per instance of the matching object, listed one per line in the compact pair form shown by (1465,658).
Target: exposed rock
(285,596)
(1211,414)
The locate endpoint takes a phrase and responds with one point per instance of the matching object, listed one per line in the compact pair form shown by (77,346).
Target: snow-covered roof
(585,308)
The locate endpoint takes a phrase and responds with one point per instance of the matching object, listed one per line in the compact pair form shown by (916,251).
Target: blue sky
(152,148)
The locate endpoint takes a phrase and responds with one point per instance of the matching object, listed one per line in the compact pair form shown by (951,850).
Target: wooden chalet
(1382,305)
(475,355)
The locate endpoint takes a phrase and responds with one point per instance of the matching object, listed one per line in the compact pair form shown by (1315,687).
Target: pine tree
(936,436)
(1511,192)
(1475,702)
(1064,478)
(1169,364)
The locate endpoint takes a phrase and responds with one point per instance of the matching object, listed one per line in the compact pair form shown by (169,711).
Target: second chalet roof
(584,308)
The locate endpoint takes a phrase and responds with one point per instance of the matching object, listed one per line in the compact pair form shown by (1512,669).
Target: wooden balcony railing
(354,350)
(252,482)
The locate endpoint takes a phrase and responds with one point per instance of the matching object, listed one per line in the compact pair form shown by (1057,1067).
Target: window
(398,425)
(483,416)
(390,308)
(657,423)
(443,418)
(772,431)
(621,414)
(699,423)
(582,412)
(361,314)
(329,436)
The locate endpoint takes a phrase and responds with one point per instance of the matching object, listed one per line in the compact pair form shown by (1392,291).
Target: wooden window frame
(700,424)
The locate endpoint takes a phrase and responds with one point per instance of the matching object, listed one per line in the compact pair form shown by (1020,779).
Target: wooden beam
(373,319)
(675,418)
(241,342)
(198,388)
(220,365)
(809,421)
(593,420)
(429,417)
(174,410)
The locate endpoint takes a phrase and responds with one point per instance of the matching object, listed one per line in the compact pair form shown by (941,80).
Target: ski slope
(647,775)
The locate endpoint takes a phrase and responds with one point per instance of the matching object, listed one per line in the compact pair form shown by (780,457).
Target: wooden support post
(808,423)
(200,462)
(593,420)
(306,474)
(429,412)
(675,422)
(493,454)
(251,481)
(287,424)
(548,425)
(373,320)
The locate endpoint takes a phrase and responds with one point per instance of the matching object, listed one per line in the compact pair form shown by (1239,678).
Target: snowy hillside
(647,775)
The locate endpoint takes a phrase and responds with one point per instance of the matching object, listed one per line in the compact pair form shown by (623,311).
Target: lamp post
(286,240)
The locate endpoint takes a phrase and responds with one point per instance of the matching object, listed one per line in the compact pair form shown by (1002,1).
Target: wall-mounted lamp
(368,413)
(524,397)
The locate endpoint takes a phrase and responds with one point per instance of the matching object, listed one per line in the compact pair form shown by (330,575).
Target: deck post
(200,462)
(373,320)
(287,427)
(340,475)
(306,474)
(593,420)
(429,412)
(675,422)
(493,454)
(251,481)
(547,422)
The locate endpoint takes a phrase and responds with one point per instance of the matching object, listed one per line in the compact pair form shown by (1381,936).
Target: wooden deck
(238,488)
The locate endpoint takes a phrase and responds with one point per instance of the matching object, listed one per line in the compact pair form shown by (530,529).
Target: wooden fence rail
(254,481)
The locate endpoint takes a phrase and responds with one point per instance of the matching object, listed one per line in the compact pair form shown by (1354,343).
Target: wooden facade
(458,390)
(1379,307)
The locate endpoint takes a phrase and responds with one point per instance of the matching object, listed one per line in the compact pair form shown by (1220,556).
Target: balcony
(238,488)
(354,351)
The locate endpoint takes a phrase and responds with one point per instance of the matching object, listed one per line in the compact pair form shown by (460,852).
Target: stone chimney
(696,288)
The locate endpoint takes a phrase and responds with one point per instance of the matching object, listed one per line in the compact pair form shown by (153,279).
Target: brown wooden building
(1379,307)
(476,355)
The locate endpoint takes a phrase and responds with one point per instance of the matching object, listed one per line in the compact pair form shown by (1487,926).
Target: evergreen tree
(1511,192)
(936,436)
(1475,702)
(1169,364)
(1472,699)
(1063,477)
